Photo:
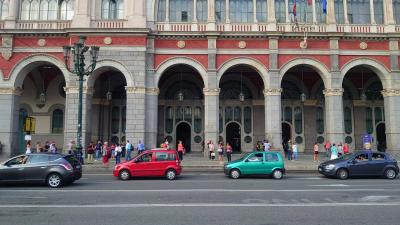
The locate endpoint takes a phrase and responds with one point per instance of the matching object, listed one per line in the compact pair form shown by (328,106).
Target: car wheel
(277,174)
(342,174)
(234,174)
(124,175)
(390,173)
(54,180)
(170,174)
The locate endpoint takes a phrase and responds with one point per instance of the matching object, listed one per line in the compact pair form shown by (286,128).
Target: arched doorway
(183,133)
(233,137)
(286,132)
(381,137)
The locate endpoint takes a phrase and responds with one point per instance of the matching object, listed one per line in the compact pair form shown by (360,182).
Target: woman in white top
(295,150)
(211,148)
(28,148)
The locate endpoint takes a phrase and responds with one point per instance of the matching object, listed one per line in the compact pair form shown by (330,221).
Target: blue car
(360,164)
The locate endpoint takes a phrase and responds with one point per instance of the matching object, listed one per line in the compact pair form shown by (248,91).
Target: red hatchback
(151,163)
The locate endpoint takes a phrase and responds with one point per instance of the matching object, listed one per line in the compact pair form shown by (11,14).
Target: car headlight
(329,167)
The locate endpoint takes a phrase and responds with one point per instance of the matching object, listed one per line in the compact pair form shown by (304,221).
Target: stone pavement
(198,163)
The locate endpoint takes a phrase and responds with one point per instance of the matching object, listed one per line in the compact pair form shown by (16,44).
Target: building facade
(239,71)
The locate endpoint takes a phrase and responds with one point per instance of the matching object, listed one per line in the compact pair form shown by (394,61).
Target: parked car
(53,169)
(361,163)
(150,163)
(256,163)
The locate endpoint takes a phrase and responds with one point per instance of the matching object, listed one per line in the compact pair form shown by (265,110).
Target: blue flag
(324,3)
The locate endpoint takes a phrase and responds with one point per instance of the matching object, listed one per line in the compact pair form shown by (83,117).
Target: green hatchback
(256,163)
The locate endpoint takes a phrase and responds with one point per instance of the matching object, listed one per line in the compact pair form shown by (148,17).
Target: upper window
(220,10)
(181,10)
(241,11)
(57,125)
(396,11)
(339,11)
(161,10)
(280,11)
(112,9)
(378,11)
(47,9)
(201,10)
(359,11)
(3,9)
(261,10)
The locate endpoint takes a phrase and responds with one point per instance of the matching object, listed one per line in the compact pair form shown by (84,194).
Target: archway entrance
(286,132)
(183,133)
(233,136)
(381,137)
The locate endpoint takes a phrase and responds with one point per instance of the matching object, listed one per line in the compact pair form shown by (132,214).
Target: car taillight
(67,166)
(177,162)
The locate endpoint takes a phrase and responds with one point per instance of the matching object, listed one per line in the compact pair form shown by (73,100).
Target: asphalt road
(204,198)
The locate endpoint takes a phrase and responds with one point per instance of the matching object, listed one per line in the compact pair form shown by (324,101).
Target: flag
(294,8)
(309,2)
(324,3)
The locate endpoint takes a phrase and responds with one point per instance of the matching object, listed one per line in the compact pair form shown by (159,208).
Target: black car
(53,169)
(361,163)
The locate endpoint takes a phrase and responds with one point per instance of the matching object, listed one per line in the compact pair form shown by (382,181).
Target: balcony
(109,24)
(43,25)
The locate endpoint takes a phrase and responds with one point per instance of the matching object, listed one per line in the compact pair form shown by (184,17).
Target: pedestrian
(334,151)
(28,148)
(289,152)
(285,148)
(259,146)
(345,148)
(340,149)
(69,147)
(140,147)
(38,147)
(181,150)
(267,146)
(221,152)
(166,143)
(316,150)
(106,153)
(52,147)
(90,152)
(98,150)
(118,153)
(129,149)
(211,148)
(113,150)
(47,146)
(295,150)
(228,151)
(327,147)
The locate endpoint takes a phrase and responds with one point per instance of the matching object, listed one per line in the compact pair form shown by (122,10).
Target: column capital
(11,91)
(333,92)
(211,91)
(152,91)
(271,92)
(135,90)
(390,92)
(75,90)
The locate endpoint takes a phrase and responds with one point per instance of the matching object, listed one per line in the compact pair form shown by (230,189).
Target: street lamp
(79,68)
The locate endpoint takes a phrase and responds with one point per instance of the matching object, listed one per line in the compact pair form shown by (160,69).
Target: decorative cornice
(135,90)
(390,92)
(11,91)
(75,90)
(152,91)
(211,91)
(272,92)
(333,92)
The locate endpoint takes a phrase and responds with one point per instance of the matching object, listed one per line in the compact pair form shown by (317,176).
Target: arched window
(280,11)
(247,119)
(288,114)
(181,10)
(237,114)
(339,11)
(228,114)
(359,11)
(319,117)
(201,10)
(348,126)
(220,10)
(378,115)
(112,9)
(57,122)
(241,11)
(378,11)
(115,118)
(298,120)
(368,120)
(396,11)
(261,6)
(47,9)
(197,120)
(161,10)
(3,9)
(169,119)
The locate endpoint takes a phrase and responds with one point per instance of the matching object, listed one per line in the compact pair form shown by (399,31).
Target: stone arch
(378,68)
(256,65)
(319,67)
(22,68)
(109,64)
(164,66)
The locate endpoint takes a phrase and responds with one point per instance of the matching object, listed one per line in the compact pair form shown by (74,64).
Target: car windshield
(346,156)
(244,156)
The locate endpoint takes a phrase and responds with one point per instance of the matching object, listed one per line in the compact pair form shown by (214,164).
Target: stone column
(135,114)
(9,111)
(211,114)
(227,11)
(287,11)
(81,17)
(371,9)
(151,122)
(167,11)
(273,126)
(271,11)
(346,17)
(255,11)
(334,115)
(388,12)
(71,115)
(392,119)
(194,11)
(211,16)
(330,12)
(13,14)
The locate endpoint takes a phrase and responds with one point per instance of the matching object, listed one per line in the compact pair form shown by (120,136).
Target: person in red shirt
(181,150)
(345,148)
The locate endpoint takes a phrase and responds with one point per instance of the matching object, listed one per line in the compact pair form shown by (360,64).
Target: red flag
(294,8)
(309,2)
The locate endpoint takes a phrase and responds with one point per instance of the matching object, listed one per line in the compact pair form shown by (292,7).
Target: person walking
(106,154)
(228,151)
(285,148)
(98,150)
(295,151)
(140,147)
(211,149)
(28,148)
(334,151)
(38,147)
(129,149)
(340,149)
(267,146)
(181,150)
(90,151)
(118,153)
(52,147)
(327,147)
(289,152)
(345,148)
(221,152)
(316,150)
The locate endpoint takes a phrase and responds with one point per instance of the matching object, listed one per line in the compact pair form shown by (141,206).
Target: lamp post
(79,69)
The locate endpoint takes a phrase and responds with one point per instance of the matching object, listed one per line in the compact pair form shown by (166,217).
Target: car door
(271,162)
(360,166)
(254,164)
(378,162)
(142,166)
(36,167)
(13,169)
(161,163)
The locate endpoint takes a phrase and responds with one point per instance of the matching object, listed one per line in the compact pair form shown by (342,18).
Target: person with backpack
(118,153)
(129,149)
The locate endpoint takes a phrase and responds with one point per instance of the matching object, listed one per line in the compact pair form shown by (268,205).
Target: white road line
(150,205)
(329,185)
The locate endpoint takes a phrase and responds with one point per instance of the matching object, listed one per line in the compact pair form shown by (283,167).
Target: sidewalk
(198,163)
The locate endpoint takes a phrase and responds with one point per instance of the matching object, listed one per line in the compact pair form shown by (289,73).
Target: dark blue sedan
(359,164)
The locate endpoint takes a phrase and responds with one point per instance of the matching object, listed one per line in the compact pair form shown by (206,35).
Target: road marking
(206,205)
(374,198)
(329,185)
